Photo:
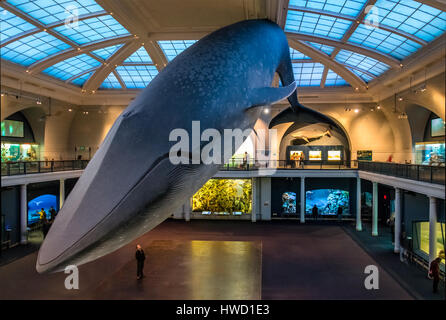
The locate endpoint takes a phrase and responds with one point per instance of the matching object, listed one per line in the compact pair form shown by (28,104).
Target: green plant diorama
(224,195)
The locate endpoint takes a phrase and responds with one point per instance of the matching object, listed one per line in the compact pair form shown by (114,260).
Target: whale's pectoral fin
(270,95)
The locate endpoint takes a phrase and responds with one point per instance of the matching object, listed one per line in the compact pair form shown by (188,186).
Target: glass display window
(334,155)
(430,153)
(315,155)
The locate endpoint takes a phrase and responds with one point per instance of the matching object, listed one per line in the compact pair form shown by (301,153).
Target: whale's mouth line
(148,171)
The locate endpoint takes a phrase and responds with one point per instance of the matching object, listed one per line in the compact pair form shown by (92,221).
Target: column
(302,200)
(254,200)
(397,219)
(187,210)
(375,210)
(61,193)
(358,205)
(23,215)
(432,228)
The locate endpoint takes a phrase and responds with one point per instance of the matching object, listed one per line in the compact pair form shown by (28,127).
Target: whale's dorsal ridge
(269,95)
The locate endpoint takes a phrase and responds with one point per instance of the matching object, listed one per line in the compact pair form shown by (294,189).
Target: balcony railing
(27,167)
(431,174)
(240,165)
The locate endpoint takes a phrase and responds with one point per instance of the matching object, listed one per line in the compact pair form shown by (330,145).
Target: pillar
(397,219)
(23,215)
(187,210)
(432,228)
(358,205)
(254,200)
(302,200)
(375,210)
(61,193)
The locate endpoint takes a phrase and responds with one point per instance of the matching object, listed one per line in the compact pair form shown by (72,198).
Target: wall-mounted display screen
(334,155)
(295,155)
(12,128)
(223,196)
(437,127)
(36,205)
(315,155)
(289,202)
(327,201)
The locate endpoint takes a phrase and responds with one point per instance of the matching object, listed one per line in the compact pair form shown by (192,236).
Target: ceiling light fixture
(38,101)
(266,111)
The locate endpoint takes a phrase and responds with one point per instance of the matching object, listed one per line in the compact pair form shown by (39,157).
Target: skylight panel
(137,77)
(50,11)
(308,74)
(322,47)
(333,79)
(296,55)
(384,41)
(107,52)
(30,49)
(111,82)
(172,48)
(71,67)
(139,56)
(420,20)
(82,79)
(364,76)
(93,29)
(316,24)
(347,7)
(11,25)
(361,62)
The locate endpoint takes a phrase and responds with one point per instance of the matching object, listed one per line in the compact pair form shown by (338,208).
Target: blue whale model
(130,185)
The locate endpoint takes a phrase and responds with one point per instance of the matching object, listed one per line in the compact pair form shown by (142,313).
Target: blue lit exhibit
(327,201)
(36,205)
(289,203)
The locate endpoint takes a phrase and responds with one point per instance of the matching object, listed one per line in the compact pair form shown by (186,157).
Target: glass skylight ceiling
(107,52)
(111,82)
(136,77)
(50,11)
(93,29)
(333,79)
(308,74)
(66,69)
(402,28)
(30,49)
(12,25)
(172,48)
(412,17)
(139,56)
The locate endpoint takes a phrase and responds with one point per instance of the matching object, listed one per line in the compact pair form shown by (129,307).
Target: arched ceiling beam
(353,19)
(71,52)
(321,57)
(353,26)
(121,82)
(361,70)
(116,59)
(347,46)
(324,77)
(156,54)
(80,74)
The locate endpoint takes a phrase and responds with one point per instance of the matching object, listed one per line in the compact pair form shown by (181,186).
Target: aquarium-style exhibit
(289,203)
(430,153)
(36,205)
(224,197)
(327,201)
(19,152)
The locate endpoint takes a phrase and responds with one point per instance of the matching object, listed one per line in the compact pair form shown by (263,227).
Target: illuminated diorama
(19,152)
(327,201)
(224,196)
(421,237)
(430,153)
(289,203)
(44,202)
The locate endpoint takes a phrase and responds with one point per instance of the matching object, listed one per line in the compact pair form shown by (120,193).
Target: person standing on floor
(434,272)
(315,212)
(140,257)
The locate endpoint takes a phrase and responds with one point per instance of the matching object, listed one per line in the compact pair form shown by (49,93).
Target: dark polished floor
(218,260)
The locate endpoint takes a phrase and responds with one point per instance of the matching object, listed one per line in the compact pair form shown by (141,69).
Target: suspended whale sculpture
(130,185)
